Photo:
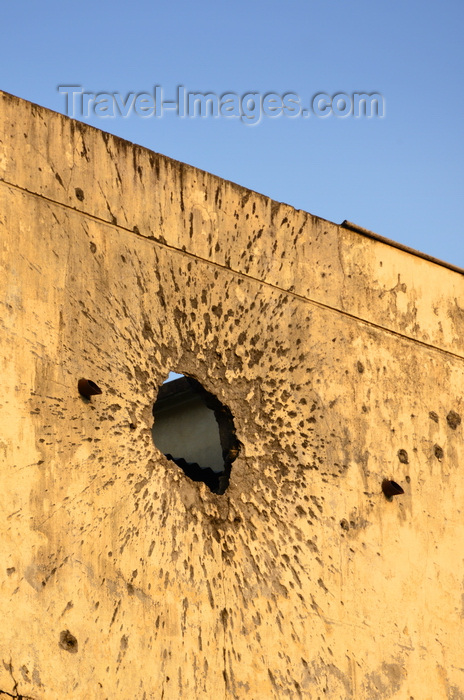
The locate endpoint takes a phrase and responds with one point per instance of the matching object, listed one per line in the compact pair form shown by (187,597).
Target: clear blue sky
(401,176)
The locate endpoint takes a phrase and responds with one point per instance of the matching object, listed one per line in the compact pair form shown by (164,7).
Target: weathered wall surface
(341,359)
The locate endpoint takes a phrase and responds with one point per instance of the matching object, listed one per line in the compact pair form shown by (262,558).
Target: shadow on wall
(193,429)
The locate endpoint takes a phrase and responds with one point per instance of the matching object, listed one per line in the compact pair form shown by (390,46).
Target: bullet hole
(391,488)
(433,416)
(88,388)
(68,642)
(79,194)
(93,247)
(193,429)
(438,452)
(10,571)
(360,367)
(132,426)
(344,524)
(453,419)
(224,615)
(403,456)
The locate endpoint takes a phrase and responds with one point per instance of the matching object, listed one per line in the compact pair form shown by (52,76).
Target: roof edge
(388,241)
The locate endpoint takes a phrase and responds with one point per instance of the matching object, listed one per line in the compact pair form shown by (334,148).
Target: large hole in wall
(193,429)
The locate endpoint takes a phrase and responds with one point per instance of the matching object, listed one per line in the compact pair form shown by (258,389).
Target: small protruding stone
(391,488)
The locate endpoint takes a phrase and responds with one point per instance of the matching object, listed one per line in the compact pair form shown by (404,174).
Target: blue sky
(400,176)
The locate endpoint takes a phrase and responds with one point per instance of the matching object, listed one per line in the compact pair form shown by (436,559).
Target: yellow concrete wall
(333,351)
